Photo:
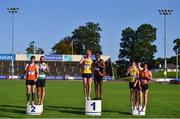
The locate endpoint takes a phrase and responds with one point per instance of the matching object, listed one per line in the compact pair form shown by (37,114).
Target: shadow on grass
(121,112)
(63,109)
(77,110)
(11,109)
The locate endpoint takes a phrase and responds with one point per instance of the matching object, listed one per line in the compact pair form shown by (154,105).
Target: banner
(7,57)
(53,57)
(3,77)
(67,58)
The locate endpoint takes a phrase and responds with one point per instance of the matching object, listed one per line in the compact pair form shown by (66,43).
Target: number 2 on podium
(33,109)
(94,105)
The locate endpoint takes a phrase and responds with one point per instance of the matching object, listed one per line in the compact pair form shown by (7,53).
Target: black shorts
(30,82)
(86,75)
(144,87)
(41,83)
(98,77)
(131,85)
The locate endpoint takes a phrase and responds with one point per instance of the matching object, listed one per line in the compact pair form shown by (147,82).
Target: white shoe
(27,104)
(139,108)
(88,98)
(32,104)
(85,98)
(143,109)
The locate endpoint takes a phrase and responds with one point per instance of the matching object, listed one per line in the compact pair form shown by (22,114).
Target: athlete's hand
(134,85)
(35,80)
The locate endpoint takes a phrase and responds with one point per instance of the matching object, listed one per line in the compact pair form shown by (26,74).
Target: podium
(34,110)
(93,107)
(137,112)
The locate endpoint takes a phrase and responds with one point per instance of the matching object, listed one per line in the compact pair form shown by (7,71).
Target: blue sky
(48,21)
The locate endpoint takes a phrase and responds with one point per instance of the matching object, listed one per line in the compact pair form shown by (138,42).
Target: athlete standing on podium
(145,77)
(99,73)
(41,81)
(31,72)
(87,62)
(133,83)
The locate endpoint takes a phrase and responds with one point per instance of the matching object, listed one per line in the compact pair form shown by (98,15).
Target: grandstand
(61,66)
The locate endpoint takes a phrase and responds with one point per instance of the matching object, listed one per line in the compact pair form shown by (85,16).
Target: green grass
(65,99)
(161,74)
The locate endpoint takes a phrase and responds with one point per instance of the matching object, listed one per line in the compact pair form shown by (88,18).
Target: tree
(138,45)
(177,45)
(87,37)
(64,46)
(34,50)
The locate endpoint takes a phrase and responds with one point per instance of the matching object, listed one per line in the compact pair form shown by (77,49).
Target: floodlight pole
(165,12)
(177,65)
(12,11)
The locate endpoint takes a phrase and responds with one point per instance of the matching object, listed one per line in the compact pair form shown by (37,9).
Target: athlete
(139,95)
(145,76)
(31,72)
(87,62)
(99,73)
(134,73)
(40,84)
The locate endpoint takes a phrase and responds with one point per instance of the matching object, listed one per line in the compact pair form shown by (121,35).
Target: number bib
(31,73)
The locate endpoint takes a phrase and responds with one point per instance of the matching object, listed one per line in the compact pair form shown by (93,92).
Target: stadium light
(165,12)
(13,11)
(177,65)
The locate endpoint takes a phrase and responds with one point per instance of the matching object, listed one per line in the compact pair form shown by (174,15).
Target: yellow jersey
(133,73)
(87,65)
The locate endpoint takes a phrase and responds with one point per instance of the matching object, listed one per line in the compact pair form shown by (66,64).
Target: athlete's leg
(33,93)
(140,99)
(89,80)
(96,88)
(145,98)
(135,98)
(42,95)
(39,95)
(84,86)
(131,98)
(28,91)
(101,88)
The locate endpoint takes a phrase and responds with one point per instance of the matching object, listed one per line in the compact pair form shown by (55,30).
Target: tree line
(135,45)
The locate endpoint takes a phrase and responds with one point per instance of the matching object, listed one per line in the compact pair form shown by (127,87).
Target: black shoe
(96,98)
(100,98)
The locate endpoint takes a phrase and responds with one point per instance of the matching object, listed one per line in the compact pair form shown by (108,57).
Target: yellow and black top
(87,65)
(133,73)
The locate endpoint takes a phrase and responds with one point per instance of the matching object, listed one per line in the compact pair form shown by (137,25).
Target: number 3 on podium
(94,105)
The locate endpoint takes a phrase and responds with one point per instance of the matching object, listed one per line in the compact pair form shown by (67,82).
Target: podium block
(136,112)
(34,110)
(93,107)
(142,113)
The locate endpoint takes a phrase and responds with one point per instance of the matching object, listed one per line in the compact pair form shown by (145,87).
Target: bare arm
(136,79)
(81,61)
(102,65)
(127,72)
(150,76)
(37,70)
(25,69)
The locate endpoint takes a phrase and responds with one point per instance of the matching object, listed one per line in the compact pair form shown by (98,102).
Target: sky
(48,21)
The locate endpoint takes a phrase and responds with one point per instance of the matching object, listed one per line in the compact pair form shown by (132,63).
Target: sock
(27,96)
(33,96)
